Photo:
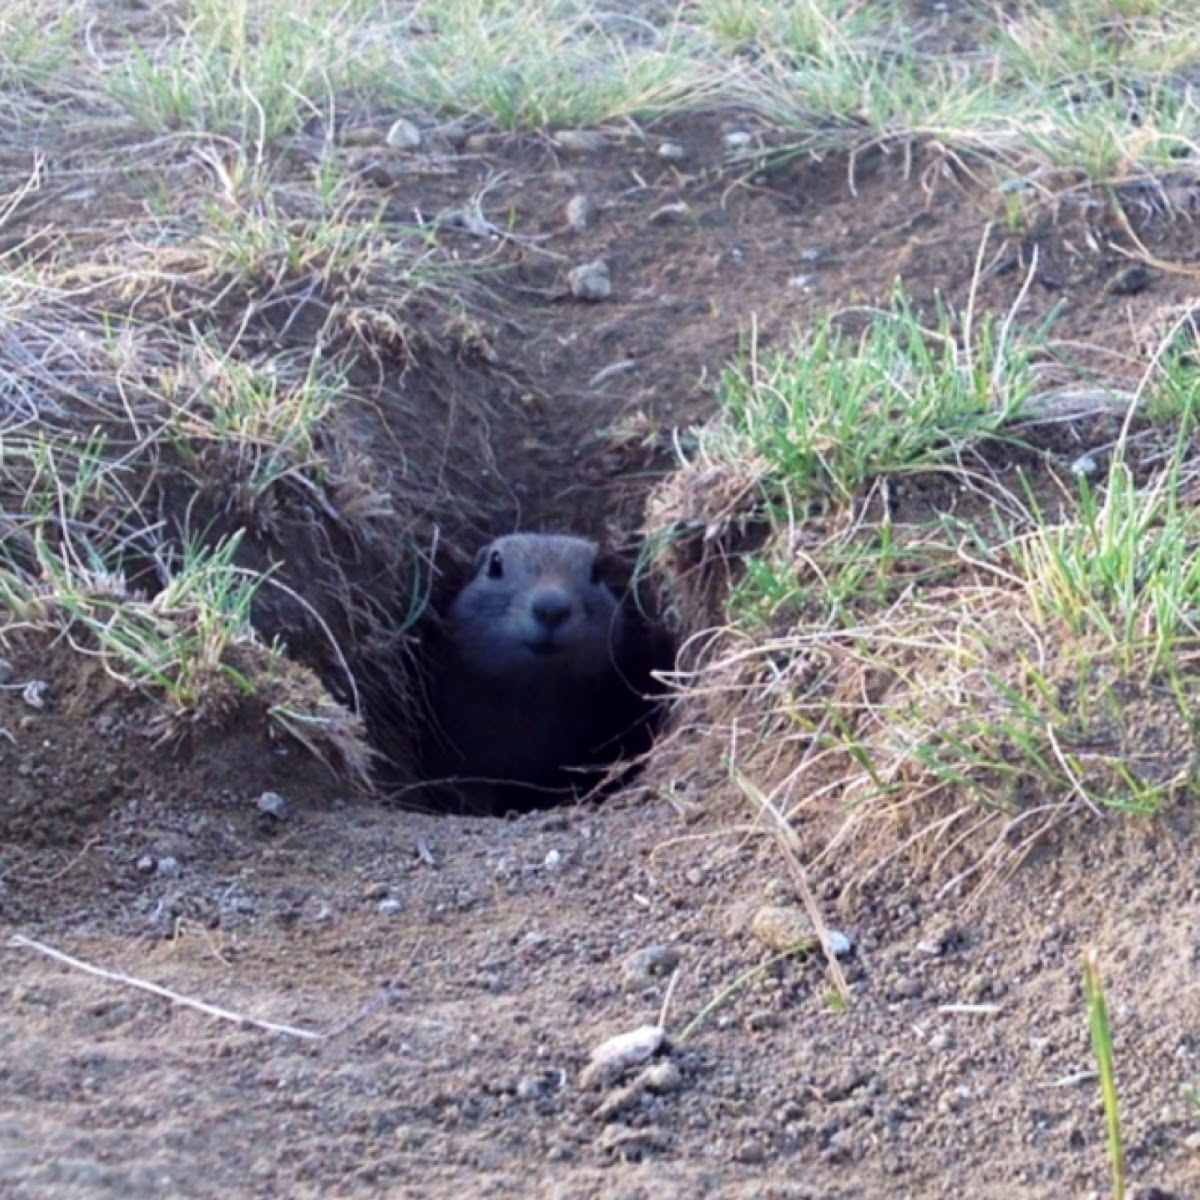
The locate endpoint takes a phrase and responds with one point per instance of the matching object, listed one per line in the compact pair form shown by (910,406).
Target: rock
(751,1152)
(613,1058)
(580,141)
(391,906)
(737,139)
(145,864)
(362,135)
(839,943)
(168,866)
(581,212)
(590,281)
(761,1019)
(661,1078)
(1086,465)
(553,860)
(672,151)
(784,928)
(403,135)
(643,967)
(482,143)
(272,804)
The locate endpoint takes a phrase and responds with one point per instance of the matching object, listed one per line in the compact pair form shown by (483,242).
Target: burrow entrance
(489,393)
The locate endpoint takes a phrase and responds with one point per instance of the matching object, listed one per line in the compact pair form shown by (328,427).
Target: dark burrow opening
(534,678)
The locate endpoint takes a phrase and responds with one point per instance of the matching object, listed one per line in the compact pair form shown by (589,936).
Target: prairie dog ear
(612,570)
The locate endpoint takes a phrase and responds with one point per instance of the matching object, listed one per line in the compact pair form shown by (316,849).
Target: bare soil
(461,971)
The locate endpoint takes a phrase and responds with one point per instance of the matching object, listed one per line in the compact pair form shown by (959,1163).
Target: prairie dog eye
(495,565)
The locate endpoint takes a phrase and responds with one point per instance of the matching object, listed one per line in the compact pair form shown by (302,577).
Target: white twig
(311,1035)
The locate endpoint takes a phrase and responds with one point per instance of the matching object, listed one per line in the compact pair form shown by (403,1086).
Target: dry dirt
(460,972)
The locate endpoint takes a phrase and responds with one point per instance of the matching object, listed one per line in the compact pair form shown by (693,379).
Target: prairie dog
(543,669)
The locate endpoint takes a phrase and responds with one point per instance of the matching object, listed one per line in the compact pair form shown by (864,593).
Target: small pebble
(612,1058)
(761,1019)
(750,1152)
(553,860)
(581,212)
(145,864)
(644,967)
(481,143)
(169,866)
(661,1078)
(403,135)
(1086,466)
(783,928)
(273,805)
(737,139)
(362,135)
(590,281)
(840,944)
(672,151)
(580,141)
(391,906)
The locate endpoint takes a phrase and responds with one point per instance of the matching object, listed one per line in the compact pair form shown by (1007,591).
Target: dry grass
(1016,646)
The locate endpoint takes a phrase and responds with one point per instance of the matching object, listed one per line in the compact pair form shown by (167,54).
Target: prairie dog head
(537,602)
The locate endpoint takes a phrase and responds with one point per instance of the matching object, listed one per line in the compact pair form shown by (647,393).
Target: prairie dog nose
(551,606)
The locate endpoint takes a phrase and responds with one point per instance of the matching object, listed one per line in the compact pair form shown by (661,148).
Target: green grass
(835,410)
(263,420)
(246,70)
(546,64)
(1102,1046)
(1098,87)
(1001,648)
